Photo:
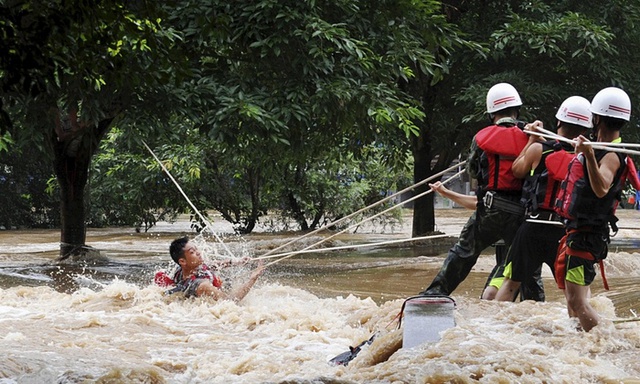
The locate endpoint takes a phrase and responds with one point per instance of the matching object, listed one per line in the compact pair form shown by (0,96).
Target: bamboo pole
(553,136)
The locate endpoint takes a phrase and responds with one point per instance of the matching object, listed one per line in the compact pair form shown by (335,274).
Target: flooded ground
(106,321)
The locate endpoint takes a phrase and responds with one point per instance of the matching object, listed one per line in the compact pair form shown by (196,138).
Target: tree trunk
(296,210)
(72,172)
(423,212)
(74,145)
(254,192)
(429,158)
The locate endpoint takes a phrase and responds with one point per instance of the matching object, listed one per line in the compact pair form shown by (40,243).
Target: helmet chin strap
(596,124)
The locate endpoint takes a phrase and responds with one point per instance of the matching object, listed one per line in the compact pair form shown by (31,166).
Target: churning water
(106,322)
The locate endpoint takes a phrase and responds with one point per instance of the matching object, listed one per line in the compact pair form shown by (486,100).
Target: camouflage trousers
(484,228)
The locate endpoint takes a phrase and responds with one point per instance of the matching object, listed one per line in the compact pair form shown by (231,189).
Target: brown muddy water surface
(105,321)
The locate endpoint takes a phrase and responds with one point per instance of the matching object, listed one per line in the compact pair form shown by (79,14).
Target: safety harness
(584,212)
(565,250)
(579,205)
(500,144)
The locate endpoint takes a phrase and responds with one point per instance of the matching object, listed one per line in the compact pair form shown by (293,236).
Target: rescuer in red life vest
(591,192)
(498,212)
(543,165)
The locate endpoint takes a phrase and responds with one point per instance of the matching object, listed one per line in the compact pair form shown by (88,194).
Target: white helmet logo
(619,109)
(578,116)
(504,100)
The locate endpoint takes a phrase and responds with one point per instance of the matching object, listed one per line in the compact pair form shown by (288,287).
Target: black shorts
(534,244)
(577,255)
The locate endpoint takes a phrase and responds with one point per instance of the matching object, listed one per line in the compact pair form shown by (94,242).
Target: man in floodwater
(195,278)
(498,212)
(588,203)
(543,165)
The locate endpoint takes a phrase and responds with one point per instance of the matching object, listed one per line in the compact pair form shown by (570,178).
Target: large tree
(68,70)
(270,79)
(285,87)
(548,50)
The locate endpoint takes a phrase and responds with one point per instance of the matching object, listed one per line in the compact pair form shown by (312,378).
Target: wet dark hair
(613,123)
(510,111)
(573,130)
(176,249)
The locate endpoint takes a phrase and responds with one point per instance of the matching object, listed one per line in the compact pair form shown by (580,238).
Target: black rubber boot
(454,270)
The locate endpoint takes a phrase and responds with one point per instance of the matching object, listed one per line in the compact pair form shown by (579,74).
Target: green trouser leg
(454,270)
(481,231)
(531,289)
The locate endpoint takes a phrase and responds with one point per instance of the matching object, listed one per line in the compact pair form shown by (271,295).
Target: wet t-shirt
(191,283)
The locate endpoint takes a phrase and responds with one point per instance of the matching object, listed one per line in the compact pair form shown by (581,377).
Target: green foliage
(294,82)
(128,188)
(280,66)
(257,105)
(5,142)
(23,179)
(78,56)
(315,194)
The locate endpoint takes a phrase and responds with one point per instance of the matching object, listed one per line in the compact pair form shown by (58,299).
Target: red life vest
(162,279)
(541,187)
(632,174)
(500,146)
(577,202)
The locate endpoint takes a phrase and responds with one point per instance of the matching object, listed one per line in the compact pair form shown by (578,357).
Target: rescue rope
(627,145)
(205,221)
(619,321)
(367,219)
(595,144)
(397,241)
(397,318)
(430,178)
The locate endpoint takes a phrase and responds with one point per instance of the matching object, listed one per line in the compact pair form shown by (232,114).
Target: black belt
(544,216)
(492,200)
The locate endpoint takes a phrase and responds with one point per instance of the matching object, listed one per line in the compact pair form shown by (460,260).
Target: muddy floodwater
(105,321)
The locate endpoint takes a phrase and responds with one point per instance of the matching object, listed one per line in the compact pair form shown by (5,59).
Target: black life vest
(541,186)
(577,202)
(500,146)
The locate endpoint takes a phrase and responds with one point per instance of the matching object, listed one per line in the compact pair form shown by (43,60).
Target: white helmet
(501,96)
(575,110)
(612,102)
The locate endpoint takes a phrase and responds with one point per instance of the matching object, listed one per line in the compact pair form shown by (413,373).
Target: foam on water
(123,330)
(278,333)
